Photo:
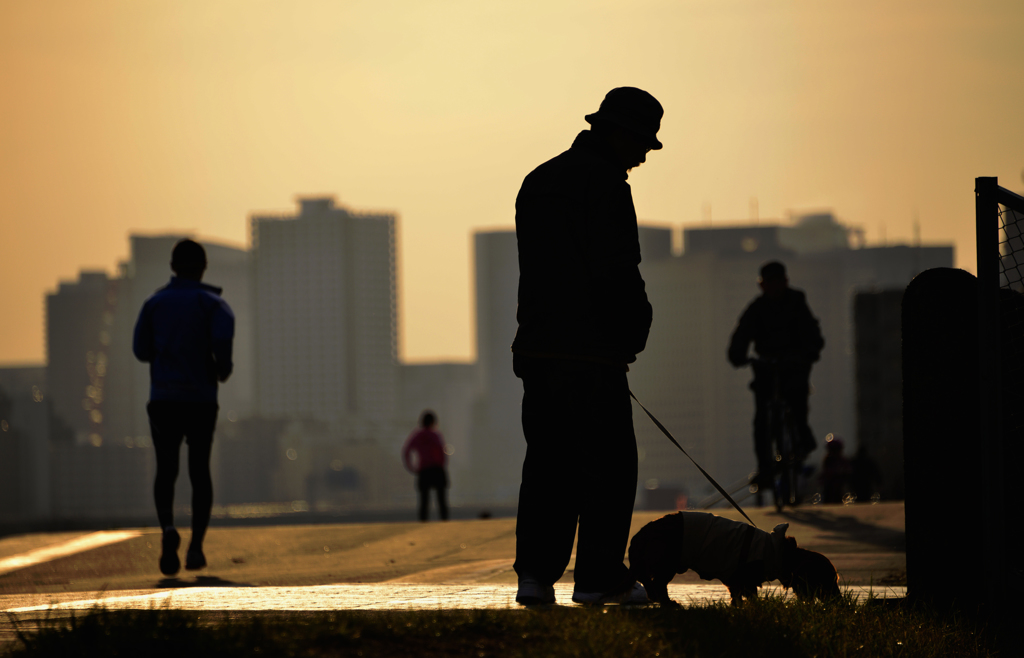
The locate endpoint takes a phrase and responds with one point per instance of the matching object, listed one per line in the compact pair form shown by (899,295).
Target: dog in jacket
(738,554)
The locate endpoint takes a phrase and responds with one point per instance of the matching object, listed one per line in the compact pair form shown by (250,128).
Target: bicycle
(782,437)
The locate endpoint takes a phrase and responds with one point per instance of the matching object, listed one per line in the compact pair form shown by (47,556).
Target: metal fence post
(990,436)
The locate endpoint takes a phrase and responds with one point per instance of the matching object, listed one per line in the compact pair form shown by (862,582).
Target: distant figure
(780,325)
(429,465)
(865,475)
(184,332)
(835,472)
(583,316)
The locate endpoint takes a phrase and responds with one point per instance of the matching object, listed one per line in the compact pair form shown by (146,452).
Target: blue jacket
(184,332)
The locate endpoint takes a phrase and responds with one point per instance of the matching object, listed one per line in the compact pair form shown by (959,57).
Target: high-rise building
(79,322)
(324,309)
(497,443)
(25,414)
(878,352)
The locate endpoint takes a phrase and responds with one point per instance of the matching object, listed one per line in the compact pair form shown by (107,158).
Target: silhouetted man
(835,471)
(184,332)
(583,316)
(429,466)
(783,330)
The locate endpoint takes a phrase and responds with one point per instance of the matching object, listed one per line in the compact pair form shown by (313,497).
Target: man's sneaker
(533,592)
(195,559)
(169,562)
(635,594)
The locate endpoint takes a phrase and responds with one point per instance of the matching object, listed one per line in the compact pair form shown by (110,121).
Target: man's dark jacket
(782,328)
(581,295)
(185,333)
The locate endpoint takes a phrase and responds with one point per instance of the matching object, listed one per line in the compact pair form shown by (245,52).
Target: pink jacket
(429,448)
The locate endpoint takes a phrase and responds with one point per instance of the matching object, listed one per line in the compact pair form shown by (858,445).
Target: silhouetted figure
(865,475)
(780,325)
(583,316)
(835,472)
(184,332)
(427,444)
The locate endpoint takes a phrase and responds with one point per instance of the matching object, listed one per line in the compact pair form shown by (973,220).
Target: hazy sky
(126,116)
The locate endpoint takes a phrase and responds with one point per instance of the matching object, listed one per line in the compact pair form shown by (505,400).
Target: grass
(769,626)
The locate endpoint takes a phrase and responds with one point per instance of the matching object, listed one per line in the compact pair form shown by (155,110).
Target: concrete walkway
(382,596)
(378,566)
(59,549)
(866,543)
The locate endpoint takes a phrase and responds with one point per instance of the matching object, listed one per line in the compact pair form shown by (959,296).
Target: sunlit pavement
(380,596)
(63,549)
(460,565)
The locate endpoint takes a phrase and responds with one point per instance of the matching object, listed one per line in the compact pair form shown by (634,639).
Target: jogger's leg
(202,489)
(167,434)
(202,422)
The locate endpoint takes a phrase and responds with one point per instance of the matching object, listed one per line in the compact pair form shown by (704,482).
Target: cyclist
(780,325)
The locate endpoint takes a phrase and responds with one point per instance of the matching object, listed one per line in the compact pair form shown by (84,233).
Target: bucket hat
(633,109)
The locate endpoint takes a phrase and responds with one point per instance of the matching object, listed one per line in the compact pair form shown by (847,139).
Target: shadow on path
(200,581)
(850,528)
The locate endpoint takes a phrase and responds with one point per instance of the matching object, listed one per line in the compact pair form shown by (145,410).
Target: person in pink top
(429,462)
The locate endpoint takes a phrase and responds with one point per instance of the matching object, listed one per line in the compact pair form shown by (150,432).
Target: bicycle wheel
(776,428)
(789,467)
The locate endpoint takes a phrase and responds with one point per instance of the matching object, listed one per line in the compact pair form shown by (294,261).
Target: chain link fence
(1011,316)
(1011,249)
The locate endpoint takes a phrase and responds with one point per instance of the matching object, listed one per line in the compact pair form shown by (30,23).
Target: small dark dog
(738,554)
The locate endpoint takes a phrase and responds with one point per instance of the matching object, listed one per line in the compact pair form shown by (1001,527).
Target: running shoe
(169,561)
(194,559)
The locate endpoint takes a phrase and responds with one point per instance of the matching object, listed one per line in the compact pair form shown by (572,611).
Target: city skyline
(318,407)
(189,118)
(676,231)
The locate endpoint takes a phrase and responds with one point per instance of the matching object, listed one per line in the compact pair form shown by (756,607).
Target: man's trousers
(434,478)
(170,422)
(580,470)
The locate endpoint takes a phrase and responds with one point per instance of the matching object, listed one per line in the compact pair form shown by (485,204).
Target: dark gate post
(942,458)
(990,433)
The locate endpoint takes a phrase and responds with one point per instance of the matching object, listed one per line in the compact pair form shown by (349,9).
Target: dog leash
(703,472)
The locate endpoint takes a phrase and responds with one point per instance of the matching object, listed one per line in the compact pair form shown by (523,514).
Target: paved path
(65,548)
(29,611)
(377,566)
(382,596)
(865,542)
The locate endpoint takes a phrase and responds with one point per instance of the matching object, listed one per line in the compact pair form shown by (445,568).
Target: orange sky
(121,116)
